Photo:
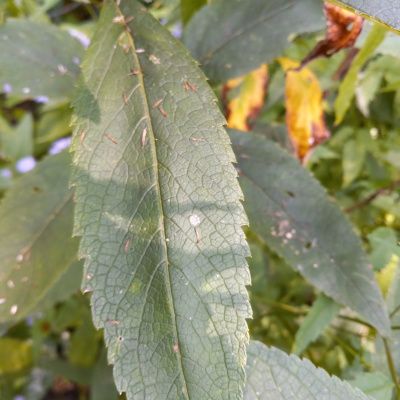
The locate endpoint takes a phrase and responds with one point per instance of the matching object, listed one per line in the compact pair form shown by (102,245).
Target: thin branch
(392,368)
(364,202)
(394,312)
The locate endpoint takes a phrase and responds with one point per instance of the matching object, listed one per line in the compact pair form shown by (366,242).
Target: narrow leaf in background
(232,37)
(189,8)
(245,98)
(292,213)
(321,314)
(348,86)
(42,61)
(304,108)
(272,375)
(353,158)
(36,248)
(158,209)
(384,245)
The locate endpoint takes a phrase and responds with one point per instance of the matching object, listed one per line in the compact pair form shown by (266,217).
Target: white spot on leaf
(194,220)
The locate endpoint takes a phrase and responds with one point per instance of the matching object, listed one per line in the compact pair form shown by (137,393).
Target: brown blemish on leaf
(111,138)
(189,86)
(134,72)
(143,139)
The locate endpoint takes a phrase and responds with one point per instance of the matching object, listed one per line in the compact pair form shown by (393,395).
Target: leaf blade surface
(159,214)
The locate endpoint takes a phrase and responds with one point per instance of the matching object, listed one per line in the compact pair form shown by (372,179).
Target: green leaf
(67,283)
(36,248)
(289,209)
(321,314)
(385,11)
(159,214)
(189,8)
(232,37)
(38,61)
(375,384)
(16,142)
(102,386)
(52,125)
(84,343)
(272,375)
(354,153)
(384,245)
(348,86)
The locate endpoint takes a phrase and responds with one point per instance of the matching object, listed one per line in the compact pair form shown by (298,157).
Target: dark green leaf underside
(159,214)
(289,209)
(36,249)
(273,375)
(232,37)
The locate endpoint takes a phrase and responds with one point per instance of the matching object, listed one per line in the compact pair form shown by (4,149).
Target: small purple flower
(7,88)
(177,30)
(5,173)
(25,164)
(41,99)
(59,145)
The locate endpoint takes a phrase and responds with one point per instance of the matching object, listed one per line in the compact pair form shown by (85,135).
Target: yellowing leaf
(386,275)
(247,102)
(15,355)
(304,108)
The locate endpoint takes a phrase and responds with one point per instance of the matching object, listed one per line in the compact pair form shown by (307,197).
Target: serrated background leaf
(159,214)
(38,60)
(290,210)
(36,249)
(232,37)
(375,384)
(273,375)
(321,314)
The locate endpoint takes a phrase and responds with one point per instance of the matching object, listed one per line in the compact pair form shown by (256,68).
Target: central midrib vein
(162,224)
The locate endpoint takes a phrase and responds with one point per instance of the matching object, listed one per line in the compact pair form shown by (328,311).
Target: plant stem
(393,313)
(392,368)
